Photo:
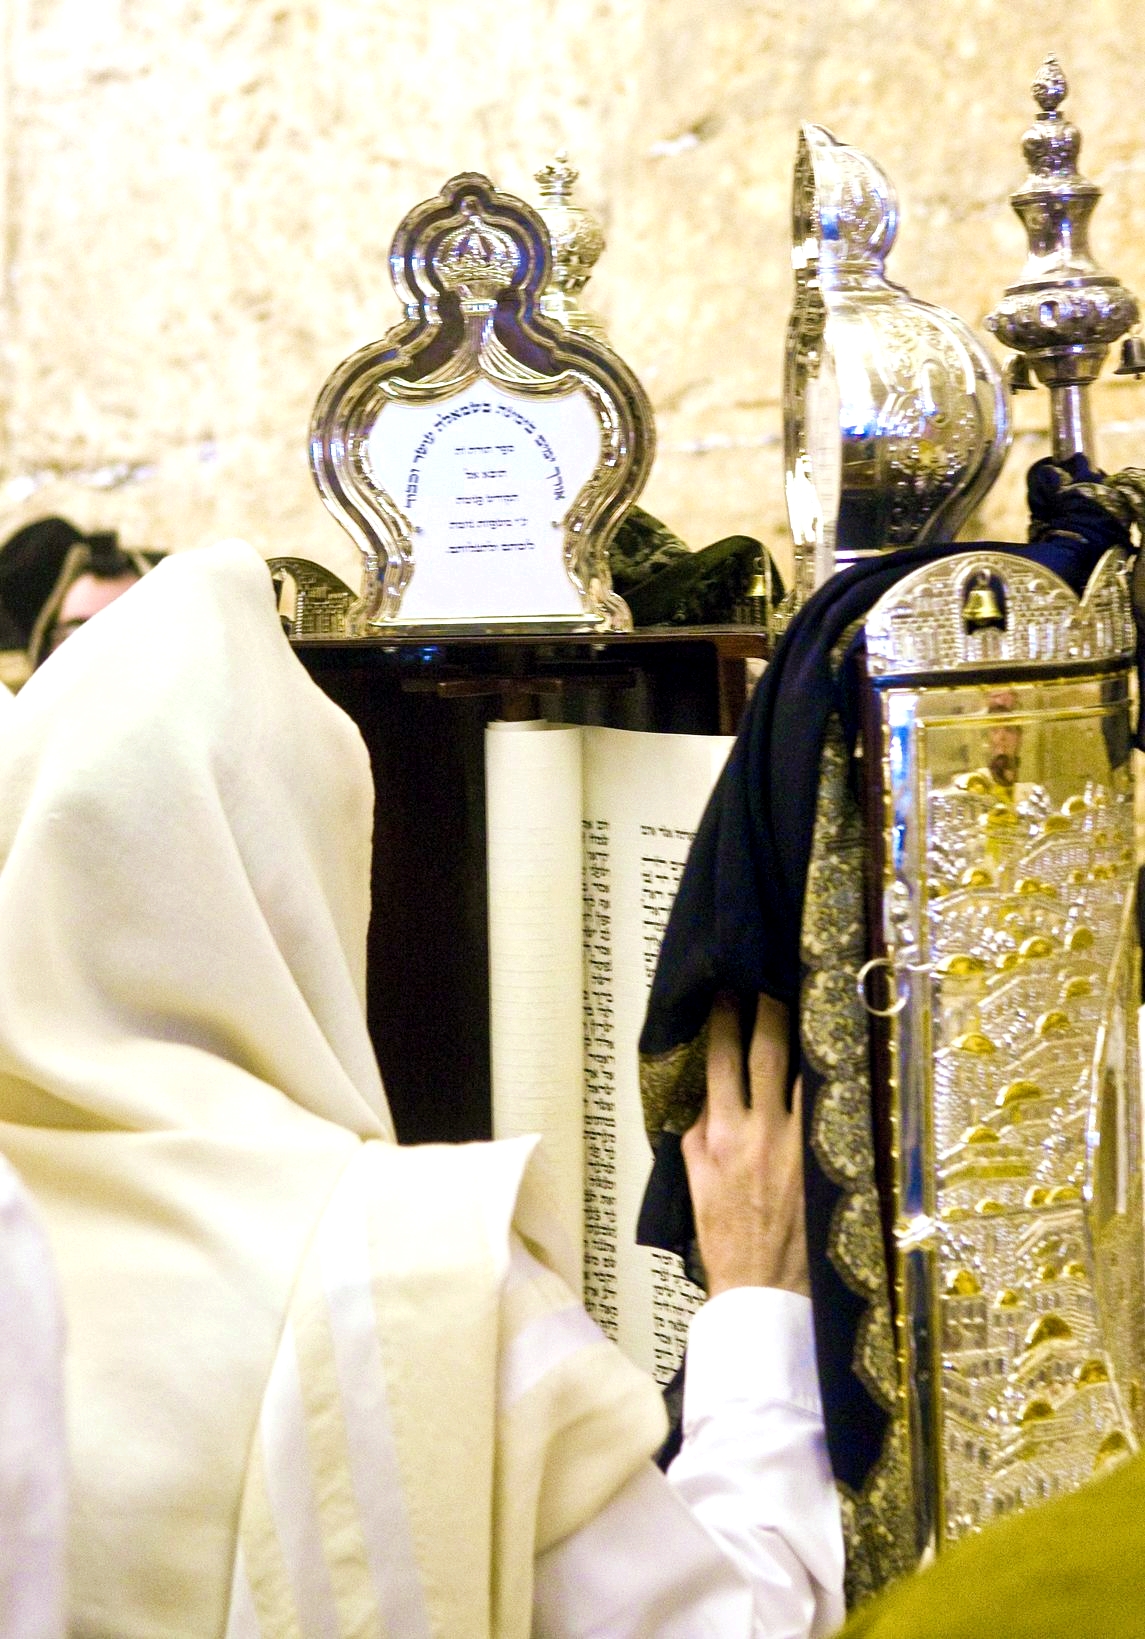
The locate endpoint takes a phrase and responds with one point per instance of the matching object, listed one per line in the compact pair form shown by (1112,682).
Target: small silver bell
(1018,377)
(1132,357)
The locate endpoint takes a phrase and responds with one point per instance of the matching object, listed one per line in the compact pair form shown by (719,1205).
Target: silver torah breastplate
(1000,726)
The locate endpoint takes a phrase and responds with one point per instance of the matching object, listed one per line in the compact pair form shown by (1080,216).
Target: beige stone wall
(199,197)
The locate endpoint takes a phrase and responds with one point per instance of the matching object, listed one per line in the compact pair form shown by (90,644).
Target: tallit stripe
(439,1263)
(344,1258)
(242,1618)
(264,1569)
(573,1411)
(290,1493)
(336,1509)
(543,1322)
(540,1347)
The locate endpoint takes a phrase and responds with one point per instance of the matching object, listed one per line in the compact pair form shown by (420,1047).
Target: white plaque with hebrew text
(486,479)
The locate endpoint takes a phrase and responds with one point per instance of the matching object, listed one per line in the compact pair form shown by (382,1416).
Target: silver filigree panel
(986,608)
(1009,887)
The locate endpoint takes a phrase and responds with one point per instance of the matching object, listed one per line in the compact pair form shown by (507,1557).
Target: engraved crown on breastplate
(478,260)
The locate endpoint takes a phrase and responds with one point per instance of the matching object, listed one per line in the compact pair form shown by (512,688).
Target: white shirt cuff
(752,1345)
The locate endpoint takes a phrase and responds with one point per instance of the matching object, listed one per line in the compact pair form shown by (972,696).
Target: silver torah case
(896,421)
(1005,984)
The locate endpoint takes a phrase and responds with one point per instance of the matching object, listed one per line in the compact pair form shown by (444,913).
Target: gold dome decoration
(1103,873)
(954,1214)
(1008,1299)
(1113,1449)
(1035,1411)
(976,876)
(963,1284)
(1091,1373)
(1037,947)
(1053,1023)
(988,1207)
(1055,824)
(1075,987)
(1076,877)
(1007,962)
(978,782)
(1063,1195)
(960,966)
(974,1043)
(1018,1092)
(1028,886)
(1035,1196)
(1051,1328)
(938,887)
(1002,817)
(1048,1272)
(1080,939)
(1074,805)
(979,1135)
(1075,1270)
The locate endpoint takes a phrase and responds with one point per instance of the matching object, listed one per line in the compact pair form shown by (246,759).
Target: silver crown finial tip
(1050,85)
(557,177)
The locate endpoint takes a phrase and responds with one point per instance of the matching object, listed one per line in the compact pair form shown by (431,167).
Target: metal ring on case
(868,968)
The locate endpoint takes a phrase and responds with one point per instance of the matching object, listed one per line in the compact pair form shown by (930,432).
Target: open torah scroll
(588,832)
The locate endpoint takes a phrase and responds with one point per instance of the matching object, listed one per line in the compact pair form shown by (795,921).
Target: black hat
(30,565)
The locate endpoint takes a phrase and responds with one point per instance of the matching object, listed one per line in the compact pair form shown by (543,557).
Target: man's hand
(745,1163)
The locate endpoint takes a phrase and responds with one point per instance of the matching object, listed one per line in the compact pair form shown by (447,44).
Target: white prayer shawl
(185,1084)
(433,1420)
(33,1460)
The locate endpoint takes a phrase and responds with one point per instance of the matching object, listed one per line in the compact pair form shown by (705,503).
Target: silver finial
(1064,313)
(1050,85)
(557,179)
(577,240)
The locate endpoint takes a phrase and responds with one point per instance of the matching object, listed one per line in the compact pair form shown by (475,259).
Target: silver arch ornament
(481,454)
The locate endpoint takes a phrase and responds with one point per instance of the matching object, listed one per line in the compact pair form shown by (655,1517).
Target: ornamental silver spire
(1063,314)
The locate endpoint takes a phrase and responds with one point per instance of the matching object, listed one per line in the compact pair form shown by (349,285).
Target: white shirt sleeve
(33,1465)
(744,1537)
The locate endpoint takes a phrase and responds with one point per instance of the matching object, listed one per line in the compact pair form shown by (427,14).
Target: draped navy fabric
(735,925)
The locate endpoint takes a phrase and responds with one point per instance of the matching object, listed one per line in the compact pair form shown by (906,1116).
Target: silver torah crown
(895,417)
(577,240)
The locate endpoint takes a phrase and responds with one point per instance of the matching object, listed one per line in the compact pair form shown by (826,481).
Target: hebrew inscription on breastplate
(1010,952)
(481,454)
